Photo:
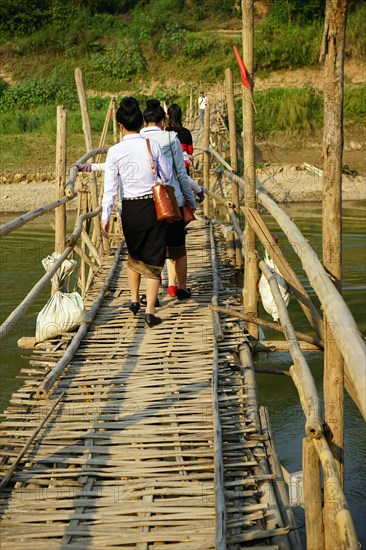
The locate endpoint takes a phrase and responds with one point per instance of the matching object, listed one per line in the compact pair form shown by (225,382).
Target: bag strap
(150,157)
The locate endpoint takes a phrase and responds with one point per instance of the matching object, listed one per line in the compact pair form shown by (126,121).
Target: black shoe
(134,307)
(151,320)
(183,294)
(144,301)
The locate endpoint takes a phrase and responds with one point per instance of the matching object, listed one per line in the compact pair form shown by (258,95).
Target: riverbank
(287,183)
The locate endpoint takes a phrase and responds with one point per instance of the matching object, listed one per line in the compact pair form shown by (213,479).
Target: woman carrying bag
(154,117)
(129,162)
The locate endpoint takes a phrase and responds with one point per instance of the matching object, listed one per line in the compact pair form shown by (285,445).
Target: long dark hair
(175,116)
(153,112)
(129,114)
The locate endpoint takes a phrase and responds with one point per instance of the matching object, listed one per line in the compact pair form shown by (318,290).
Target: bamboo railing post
(114,120)
(60,212)
(232,133)
(333,382)
(250,289)
(312,496)
(333,56)
(89,147)
(206,158)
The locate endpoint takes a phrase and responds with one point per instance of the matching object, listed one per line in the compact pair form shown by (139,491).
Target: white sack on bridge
(63,311)
(265,290)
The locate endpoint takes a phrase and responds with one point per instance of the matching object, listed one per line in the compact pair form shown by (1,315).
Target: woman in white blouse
(129,162)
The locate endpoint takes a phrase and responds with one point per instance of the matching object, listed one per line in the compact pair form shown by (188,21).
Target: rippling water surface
(21,254)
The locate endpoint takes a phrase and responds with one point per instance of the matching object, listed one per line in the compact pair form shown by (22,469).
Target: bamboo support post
(232,133)
(28,443)
(264,235)
(345,333)
(333,492)
(230,246)
(333,48)
(114,121)
(268,324)
(89,146)
(19,311)
(53,375)
(206,157)
(60,212)
(300,372)
(250,288)
(312,496)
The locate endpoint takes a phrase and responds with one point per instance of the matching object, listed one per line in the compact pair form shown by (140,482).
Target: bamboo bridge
(123,436)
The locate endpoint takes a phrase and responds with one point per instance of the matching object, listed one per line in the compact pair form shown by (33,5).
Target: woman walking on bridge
(128,162)
(154,117)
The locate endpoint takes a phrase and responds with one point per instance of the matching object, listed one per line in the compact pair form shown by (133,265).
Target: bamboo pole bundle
(53,375)
(344,329)
(300,372)
(18,312)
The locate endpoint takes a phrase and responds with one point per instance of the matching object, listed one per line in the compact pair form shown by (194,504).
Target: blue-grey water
(22,251)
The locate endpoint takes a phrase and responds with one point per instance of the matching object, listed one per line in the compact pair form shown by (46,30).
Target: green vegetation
(170,46)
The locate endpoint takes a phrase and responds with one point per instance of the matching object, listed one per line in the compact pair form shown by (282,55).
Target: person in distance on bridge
(154,117)
(128,162)
(202,102)
(185,138)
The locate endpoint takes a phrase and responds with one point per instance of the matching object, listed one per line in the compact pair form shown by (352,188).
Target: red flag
(243,70)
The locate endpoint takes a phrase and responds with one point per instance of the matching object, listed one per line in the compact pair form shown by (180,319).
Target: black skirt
(176,239)
(145,237)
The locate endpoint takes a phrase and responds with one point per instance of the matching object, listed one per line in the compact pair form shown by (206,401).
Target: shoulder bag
(166,205)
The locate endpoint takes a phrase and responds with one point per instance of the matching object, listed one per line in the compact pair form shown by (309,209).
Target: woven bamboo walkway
(129,456)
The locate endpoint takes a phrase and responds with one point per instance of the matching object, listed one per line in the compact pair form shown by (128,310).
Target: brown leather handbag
(188,214)
(166,205)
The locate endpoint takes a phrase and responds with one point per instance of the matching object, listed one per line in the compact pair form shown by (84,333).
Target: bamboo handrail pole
(311,402)
(8,227)
(69,188)
(345,331)
(236,225)
(268,324)
(18,312)
(52,376)
(264,235)
(333,486)
(28,443)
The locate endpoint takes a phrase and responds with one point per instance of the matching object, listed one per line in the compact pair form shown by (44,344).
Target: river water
(21,253)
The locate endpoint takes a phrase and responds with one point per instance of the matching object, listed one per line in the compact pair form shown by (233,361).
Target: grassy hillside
(159,47)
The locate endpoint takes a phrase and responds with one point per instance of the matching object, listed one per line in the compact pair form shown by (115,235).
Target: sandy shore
(284,184)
